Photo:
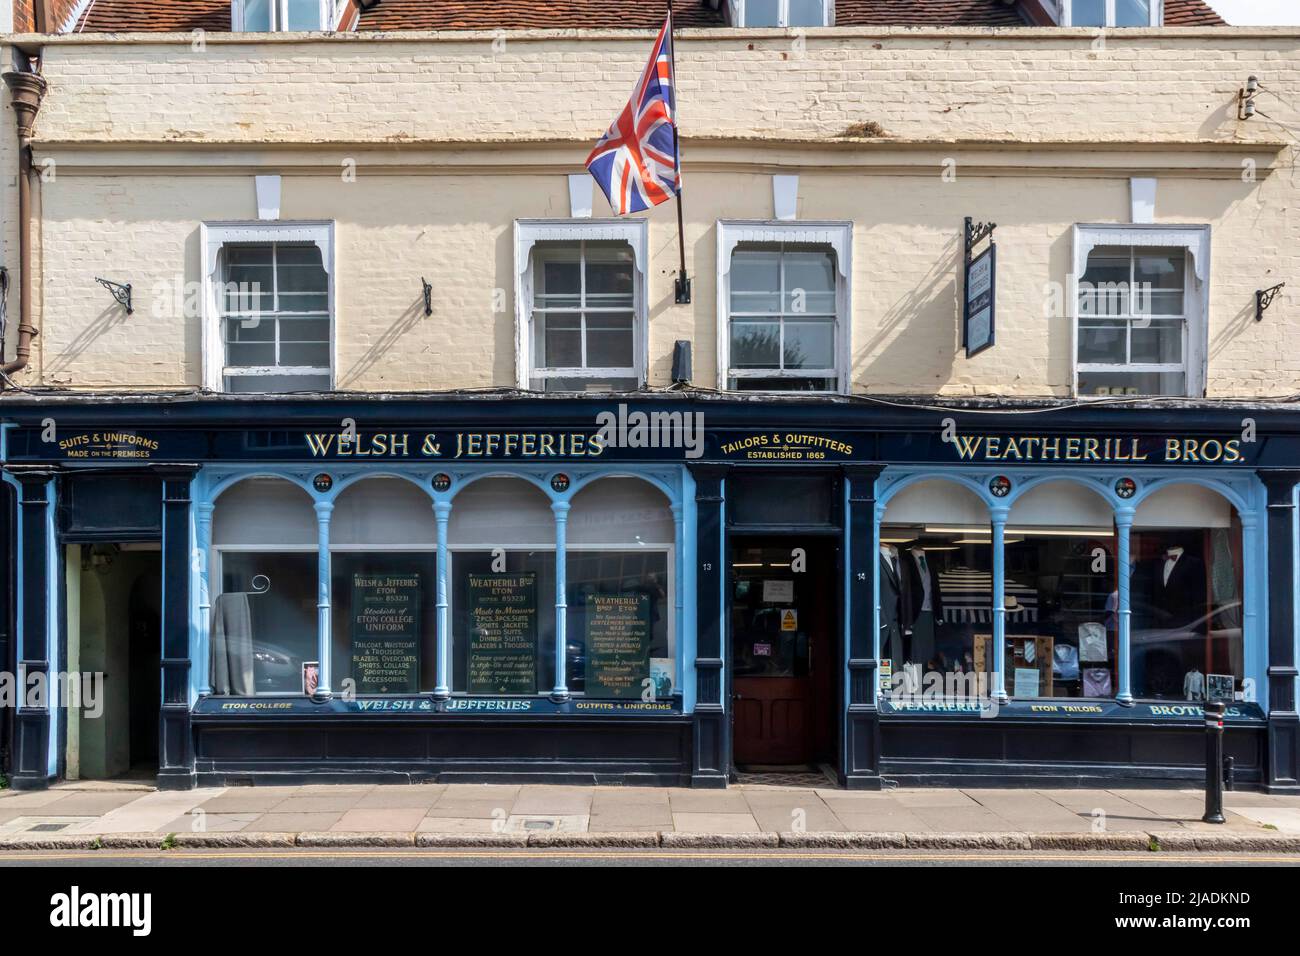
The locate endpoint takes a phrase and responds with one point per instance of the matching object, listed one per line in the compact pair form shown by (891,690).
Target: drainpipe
(26,90)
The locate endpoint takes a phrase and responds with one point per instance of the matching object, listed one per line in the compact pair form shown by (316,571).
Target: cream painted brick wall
(135,224)
(1021,85)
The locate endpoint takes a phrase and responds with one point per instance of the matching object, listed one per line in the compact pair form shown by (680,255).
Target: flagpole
(683,285)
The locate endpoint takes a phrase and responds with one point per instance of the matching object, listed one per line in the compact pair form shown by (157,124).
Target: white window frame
(1067,14)
(1195,241)
(280,15)
(737,11)
(213,237)
(529,232)
(838,236)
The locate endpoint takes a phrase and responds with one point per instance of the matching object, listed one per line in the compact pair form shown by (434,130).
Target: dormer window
(783,13)
(1111,13)
(279,16)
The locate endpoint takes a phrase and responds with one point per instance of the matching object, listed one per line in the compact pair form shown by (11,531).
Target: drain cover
(47,827)
(539,825)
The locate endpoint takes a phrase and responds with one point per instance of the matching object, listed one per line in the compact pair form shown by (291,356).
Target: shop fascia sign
(1094,449)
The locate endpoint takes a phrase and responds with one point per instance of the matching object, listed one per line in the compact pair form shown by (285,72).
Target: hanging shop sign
(618,645)
(503,633)
(386,633)
(979,310)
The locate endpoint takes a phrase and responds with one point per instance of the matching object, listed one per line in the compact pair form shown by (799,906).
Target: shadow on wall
(64,361)
(388,340)
(925,323)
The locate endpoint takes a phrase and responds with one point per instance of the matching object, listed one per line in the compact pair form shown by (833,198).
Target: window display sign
(386,633)
(981,285)
(618,645)
(503,633)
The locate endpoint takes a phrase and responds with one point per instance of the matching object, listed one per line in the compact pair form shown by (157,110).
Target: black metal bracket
(122,293)
(428,297)
(1264,298)
(977,232)
(682,289)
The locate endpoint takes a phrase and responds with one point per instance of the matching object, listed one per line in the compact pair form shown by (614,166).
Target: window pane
(304,330)
(1132,13)
(384,619)
(809,283)
(1159,279)
(558,340)
(1102,342)
(936,601)
(257,15)
(756,282)
(264,622)
(755,344)
(610,269)
(250,356)
(1160,343)
(1104,288)
(252,329)
(1132,383)
(807,13)
(617,630)
(762,13)
(782,384)
(503,623)
(610,340)
(1061,594)
(249,284)
(301,279)
(557,280)
(1089,13)
(1185,594)
(304,15)
(305,354)
(809,345)
(277,383)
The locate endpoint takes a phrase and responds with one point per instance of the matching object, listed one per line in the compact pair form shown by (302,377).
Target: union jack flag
(636,162)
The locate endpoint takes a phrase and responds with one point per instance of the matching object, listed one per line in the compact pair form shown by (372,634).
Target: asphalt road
(630,858)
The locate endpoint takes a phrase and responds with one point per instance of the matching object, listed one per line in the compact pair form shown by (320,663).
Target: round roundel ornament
(1000,486)
(560,483)
(441,481)
(322,482)
(1126,487)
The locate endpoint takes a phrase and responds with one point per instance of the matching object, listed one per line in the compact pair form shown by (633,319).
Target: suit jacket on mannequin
(891,625)
(1182,599)
(919,626)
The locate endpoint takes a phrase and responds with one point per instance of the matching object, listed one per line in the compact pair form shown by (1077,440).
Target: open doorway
(114,606)
(785,653)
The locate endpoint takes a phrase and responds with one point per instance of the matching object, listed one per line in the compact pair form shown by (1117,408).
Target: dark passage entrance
(784,651)
(114,594)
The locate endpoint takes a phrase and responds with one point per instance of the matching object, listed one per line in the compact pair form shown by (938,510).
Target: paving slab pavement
(957,817)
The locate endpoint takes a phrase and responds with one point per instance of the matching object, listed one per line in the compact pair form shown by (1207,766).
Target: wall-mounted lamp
(428,297)
(122,293)
(1246,98)
(1264,298)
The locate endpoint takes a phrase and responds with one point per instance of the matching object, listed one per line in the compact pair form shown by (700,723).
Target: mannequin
(1172,586)
(921,604)
(891,628)
(1194,685)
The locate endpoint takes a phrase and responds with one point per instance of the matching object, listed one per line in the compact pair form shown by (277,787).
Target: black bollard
(1214,762)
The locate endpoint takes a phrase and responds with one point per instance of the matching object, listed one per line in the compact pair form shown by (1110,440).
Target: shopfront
(666,591)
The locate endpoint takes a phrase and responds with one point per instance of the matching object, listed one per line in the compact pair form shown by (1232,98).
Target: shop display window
(1061,594)
(619,632)
(1186,597)
(936,593)
(383,573)
(264,620)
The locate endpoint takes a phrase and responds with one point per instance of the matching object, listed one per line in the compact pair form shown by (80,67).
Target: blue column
(1123,670)
(203,552)
(324,648)
(175,744)
(442,513)
(998,678)
(679,615)
(33,720)
(561,690)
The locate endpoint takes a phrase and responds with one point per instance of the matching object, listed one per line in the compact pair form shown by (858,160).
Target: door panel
(781,629)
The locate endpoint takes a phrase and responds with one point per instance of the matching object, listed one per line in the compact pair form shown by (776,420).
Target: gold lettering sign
(1101,450)
(786,446)
(470,445)
(115,445)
